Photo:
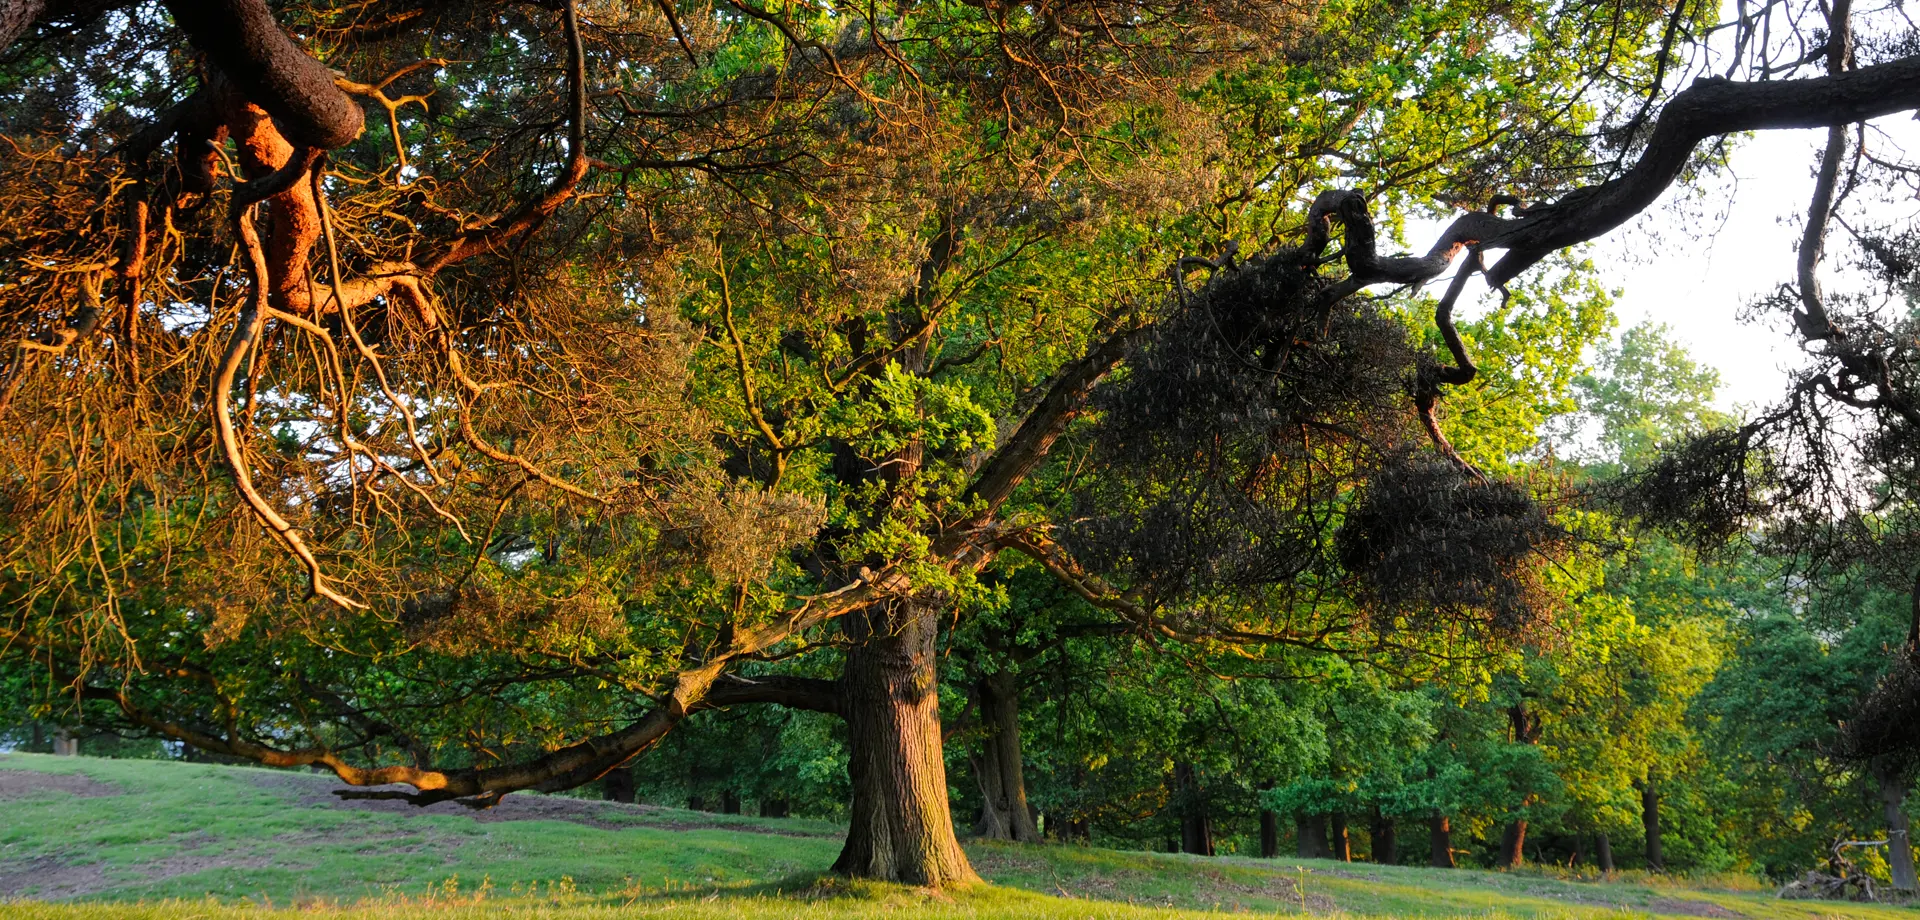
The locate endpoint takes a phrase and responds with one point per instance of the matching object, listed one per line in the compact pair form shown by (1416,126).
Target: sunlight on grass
(128,840)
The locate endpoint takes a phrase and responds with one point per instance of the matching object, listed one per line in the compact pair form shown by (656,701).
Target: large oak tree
(459,395)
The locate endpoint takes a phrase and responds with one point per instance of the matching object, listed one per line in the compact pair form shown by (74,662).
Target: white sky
(1694,264)
(1699,256)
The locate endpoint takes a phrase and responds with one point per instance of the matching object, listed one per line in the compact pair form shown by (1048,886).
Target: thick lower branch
(702,686)
(1065,398)
(809,693)
(246,43)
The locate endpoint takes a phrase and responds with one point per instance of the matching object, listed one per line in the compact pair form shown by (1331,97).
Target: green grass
(117,840)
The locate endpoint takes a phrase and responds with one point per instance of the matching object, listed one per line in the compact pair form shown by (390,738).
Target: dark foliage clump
(1428,541)
(1705,490)
(1886,726)
(1238,424)
(1258,354)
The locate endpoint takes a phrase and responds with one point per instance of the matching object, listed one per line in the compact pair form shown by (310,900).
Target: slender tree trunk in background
(1310,836)
(774,808)
(1337,837)
(1893,795)
(1513,842)
(1196,826)
(1440,838)
(1386,844)
(1004,811)
(618,785)
(1650,817)
(1269,829)
(901,828)
(991,823)
(729,803)
(1513,845)
(696,803)
(39,739)
(1579,844)
(1603,852)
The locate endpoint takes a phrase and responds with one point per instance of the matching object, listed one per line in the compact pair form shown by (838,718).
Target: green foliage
(1645,392)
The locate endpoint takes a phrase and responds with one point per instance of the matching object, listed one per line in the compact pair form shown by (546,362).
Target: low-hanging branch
(1710,108)
(692,689)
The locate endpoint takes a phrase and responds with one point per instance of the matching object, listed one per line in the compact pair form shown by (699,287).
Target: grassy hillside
(84,838)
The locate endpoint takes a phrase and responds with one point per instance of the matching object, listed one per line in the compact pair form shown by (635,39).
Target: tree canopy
(463,395)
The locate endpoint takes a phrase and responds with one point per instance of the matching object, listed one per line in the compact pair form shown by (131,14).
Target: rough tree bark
(1440,839)
(16,17)
(1893,795)
(244,41)
(1603,852)
(1004,812)
(901,828)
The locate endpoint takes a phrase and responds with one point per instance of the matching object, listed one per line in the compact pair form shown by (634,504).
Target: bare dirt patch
(316,791)
(1694,909)
(20,784)
(49,878)
(1221,889)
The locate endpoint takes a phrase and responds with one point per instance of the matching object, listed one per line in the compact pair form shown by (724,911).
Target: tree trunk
(618,785)
(1196,826)
(65,744)
(1650,817)
(1893,795)
(1337,837)
(696,803)
(1310,836)
(774,807)
(729,803)
(16,18)
(1004,811)
(1513,845)
(1440,838)
(1603,852)
(1527,728)
(901,828)
(1386,844)
(1269,830)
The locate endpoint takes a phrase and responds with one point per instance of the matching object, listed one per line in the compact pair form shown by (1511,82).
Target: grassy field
(86,838)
